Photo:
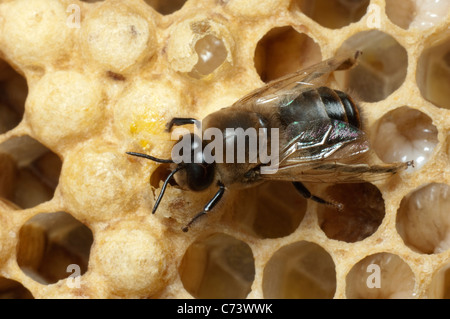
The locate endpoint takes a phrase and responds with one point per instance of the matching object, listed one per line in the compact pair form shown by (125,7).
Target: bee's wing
(283,90)
(324,151)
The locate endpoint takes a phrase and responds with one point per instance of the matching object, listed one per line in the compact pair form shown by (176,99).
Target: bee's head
(196,173)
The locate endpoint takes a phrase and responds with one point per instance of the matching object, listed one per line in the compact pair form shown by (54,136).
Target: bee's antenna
(158,160)
(163,189)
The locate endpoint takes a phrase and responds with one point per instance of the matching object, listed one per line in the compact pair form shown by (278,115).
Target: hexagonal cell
(218,266)
(433,72)
(440,284)
(416,13)
(363,212)
(52,245)
(166,7)
(402,13)
(13,93)
(333,14)
(283,50)
(380,276)
(381,69)
(270,210)
(30,171)
(211,53)
(11,289)
(423,221)
(301,270)
(411,135)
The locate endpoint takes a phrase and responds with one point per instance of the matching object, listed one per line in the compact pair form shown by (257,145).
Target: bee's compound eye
(199,176)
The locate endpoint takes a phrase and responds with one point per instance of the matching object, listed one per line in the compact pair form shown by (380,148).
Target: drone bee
(320,138)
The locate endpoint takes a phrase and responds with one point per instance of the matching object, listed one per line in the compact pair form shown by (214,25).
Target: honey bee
(319,139)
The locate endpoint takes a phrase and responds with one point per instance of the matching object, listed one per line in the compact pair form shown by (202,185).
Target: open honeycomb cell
(13,92)
(362,214)
(382,275)
(422,219)
(30,172)
(413,137)
(283,50)
(417,13)
(218,266)
(300,270)
(333,14)
(50,243)
(433,72)
(11,289)
(166,7)
(271,210)
(440,285)
(84,82)
(382,68)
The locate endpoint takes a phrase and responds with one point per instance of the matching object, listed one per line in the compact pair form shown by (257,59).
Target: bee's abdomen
(321,102)
(339,106)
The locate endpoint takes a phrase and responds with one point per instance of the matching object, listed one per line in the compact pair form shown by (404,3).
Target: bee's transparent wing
(324,151)
(283,90)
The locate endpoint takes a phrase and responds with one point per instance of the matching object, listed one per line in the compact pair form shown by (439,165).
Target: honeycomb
(83,82)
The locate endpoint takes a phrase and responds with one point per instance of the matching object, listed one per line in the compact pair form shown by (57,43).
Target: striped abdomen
(321,103)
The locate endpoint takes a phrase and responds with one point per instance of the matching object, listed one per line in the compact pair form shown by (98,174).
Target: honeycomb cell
(40,29)
(75,103)
(13,93)
(166,7)
(254,8)
(381,68)
(423,221)
(141,67)
(380,276)
(419,14)
(271,210)
(300,270)
(199,47)
(136,121)
(363,212)
(99,182)
(440,284)
(211,53)
(411,136)
(132,258)
(30,172)
(333,14)
(50,244)
(283,50)
(433,73)
(11,289)
(117,37)
(402,13)
(8,177)
(218,266)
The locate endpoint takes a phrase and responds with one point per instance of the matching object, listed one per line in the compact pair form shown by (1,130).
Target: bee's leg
(307,194)
(210,205)
(177,121)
